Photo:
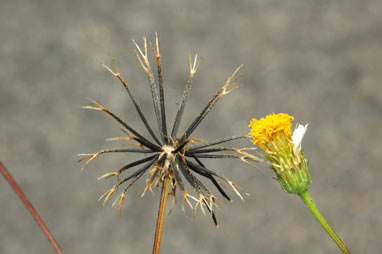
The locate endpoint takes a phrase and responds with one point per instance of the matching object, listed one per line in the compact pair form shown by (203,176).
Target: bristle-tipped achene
(218,142)
(132,97)
(135,163)
(144,61)
(217,156)
(223,91)
(135,176)
(202,170)
(90,157)
(140,171)
(161,88)
(139,138)
(186,93)
(210,150)
(200,189)
(213,180)
(189,177)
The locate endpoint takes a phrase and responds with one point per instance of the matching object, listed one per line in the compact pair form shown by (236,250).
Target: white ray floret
(298,135)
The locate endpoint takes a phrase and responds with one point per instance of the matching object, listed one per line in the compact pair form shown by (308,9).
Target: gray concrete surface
(319,61)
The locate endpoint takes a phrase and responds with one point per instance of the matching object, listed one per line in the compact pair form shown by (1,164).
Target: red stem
(30,208)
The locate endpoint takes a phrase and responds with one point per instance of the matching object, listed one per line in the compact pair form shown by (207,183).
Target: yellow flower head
(282,150)
(266,129)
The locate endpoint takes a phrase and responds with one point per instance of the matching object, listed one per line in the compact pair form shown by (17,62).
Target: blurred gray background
(319,61)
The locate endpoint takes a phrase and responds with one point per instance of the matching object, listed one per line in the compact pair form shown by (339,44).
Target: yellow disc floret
(264,130)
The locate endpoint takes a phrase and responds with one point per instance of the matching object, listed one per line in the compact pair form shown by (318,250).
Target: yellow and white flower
(282,150)
(283,153)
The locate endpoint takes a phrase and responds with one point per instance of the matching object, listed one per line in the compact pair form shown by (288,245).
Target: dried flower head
(170,156)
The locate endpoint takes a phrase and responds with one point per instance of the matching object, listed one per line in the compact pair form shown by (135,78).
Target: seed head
(168,155)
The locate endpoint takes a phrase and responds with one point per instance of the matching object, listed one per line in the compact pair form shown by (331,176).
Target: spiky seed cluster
(170,156)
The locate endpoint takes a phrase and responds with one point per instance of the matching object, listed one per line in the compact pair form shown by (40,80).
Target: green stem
(305,196)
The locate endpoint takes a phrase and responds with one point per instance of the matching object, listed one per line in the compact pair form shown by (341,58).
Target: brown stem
(30,208)
(161,214)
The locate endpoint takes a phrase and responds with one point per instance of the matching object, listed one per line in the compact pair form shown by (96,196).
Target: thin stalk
(161,214)
(30,208)
(305,196)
